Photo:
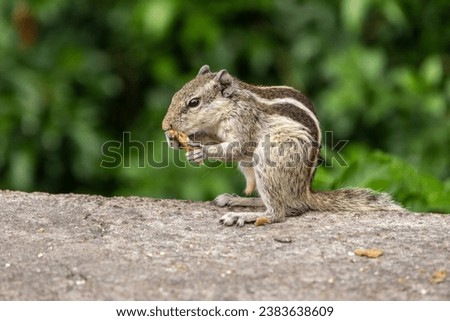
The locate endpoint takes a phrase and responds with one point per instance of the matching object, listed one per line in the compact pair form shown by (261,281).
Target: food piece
(438,276)
(263,220)
(372,253)
(182,138)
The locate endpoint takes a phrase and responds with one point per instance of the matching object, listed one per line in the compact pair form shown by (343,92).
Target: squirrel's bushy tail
(352,200)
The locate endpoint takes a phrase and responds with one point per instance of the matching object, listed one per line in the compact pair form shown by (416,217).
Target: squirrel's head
(200,104)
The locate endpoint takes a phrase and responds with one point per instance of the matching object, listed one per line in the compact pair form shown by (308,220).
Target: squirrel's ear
(226,82)
(204,70)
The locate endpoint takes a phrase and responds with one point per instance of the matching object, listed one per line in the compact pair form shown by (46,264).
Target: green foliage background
(77,74)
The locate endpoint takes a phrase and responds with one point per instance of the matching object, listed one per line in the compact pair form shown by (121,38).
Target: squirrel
(274,134)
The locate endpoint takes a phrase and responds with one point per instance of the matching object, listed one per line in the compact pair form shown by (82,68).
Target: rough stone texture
(79,247)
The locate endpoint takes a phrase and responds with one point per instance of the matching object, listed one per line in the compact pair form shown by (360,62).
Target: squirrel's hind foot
(240,218)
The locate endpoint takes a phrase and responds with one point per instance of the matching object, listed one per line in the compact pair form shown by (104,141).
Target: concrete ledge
(80,247)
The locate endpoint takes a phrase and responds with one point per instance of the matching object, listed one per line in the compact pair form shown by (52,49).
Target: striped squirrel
(274,134)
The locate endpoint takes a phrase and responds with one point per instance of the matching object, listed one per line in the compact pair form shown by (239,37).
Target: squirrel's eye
(194,102)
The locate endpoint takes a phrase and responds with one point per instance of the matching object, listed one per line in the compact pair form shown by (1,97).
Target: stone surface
(80,247)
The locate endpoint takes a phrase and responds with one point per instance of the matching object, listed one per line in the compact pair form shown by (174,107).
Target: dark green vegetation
(77,74)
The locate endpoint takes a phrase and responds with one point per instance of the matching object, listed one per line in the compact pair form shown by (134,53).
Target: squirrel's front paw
(197,154)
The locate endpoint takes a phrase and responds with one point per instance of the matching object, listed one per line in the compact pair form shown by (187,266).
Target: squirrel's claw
(197,155)
(194,145)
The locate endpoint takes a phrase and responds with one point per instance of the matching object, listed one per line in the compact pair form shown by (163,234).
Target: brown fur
(274,134)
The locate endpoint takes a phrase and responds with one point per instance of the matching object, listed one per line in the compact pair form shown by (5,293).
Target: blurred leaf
(431,70)
(155,16)
(393,12)
(22,168)
(354,12)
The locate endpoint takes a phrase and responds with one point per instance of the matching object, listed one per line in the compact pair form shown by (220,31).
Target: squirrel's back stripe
(283,107)
(297,114)
(272,92)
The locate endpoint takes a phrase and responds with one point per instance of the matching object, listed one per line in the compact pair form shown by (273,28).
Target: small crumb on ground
(371,253)
(438,276)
